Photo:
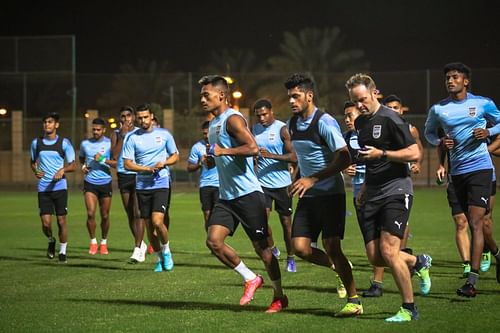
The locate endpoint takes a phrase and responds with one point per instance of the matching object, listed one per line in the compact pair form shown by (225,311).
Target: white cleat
(137,256)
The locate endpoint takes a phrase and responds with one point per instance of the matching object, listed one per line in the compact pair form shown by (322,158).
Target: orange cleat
(103,249)
(250,288)
(93,249)
(278,304)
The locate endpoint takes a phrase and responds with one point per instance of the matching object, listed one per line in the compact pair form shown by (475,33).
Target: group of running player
(243,171)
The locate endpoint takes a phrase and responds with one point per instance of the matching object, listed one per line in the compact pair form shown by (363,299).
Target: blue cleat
(158,267)
(168,263)
(290,265)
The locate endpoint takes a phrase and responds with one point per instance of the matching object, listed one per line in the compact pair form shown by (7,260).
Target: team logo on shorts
(377,131)
(472,111)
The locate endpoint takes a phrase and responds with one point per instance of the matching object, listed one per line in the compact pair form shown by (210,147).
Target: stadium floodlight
(3,111)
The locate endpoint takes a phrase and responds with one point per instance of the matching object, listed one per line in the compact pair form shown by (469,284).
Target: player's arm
(441,154)
(34,161)
(236,127)
(70,165)
(415,167)
(288,151)
(431,128)
(101,159)
(494,147)
(116,145)
(171,160)
(340,162)
(132,166)
(194,162)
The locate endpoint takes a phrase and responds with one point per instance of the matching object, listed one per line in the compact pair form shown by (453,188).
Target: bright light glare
(3,112)
(237,94)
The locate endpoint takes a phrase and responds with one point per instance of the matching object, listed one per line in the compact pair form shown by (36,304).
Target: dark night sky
(396,35)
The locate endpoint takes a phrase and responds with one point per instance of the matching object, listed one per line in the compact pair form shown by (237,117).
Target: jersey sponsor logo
(158,139)
(272,137)
(217,130)
(472,111)
(377,131)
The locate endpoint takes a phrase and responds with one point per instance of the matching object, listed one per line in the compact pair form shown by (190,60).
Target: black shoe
(467,290)
(51,250)
(62,258)
(373,291)
(407,250)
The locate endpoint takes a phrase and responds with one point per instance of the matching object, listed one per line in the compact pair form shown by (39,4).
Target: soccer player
(376,289)
(322,154)
(241,198)
(387,193)
(126,182)
(48,154)
(275,152)
(149,151)
(463,117)
(209,178)
(95,158)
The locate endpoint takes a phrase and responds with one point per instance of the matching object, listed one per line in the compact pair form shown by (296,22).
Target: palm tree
(322,54)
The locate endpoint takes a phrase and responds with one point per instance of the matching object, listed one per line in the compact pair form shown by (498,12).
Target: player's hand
(301,186)
(447,143)
(39,173)
(85,169)
(59,174)
(263,152)
(370,153)
(415,168)
(208,161)
(97,157)
(159,165)
(441,173)
(213,149)
(480,133)
(351,170)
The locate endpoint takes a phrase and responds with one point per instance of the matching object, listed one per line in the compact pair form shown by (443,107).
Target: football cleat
(466,271)
(137,256)
(250,288)
(93,249)
(375,290)
(341,291)
(291,265)
(485,264)
(158,267)
(168,263)
(403,315)
(276,252)
(51,249)
(278,304)
(62,258)
(103,249)
(423,274)
(467,290)
(350,310)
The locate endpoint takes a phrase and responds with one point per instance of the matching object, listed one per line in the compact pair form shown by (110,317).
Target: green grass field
(201,295)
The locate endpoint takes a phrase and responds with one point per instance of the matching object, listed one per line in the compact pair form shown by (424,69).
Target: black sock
(467,262)
(418,264)
(473,276)
(486,248)
(496,254)
(409,306)
(354,300)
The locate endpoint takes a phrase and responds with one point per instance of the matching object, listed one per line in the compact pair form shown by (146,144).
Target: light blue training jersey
(271,173)
(147,149)
(458,119)
(50,162)
(120,168)
(313,157)
(236,173)
(208,177)
(99,172)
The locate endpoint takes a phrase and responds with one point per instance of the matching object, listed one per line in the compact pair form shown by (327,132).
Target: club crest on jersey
(377,131)
(472,111)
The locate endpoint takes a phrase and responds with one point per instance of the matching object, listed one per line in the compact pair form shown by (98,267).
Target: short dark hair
(143,107)
(215,80)
(99,121)
(392,98)
(53,115)
(348,104)
(262,103)
(459,67)
(127,108)
(304,82)
(205,125)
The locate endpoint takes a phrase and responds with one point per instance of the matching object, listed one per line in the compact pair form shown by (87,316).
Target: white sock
(278,290)
(245,272)
(333,266)
(62,247)
(159,256)
(93,241)
(104,241)
(165,248)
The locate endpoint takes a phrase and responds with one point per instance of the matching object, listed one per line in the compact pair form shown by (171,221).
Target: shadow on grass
(206,306)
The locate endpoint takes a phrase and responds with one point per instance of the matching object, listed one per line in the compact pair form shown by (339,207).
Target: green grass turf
(104,293)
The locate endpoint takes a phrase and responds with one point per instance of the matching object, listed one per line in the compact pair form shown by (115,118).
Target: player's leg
(60,199)
(91,206)
(104,208)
